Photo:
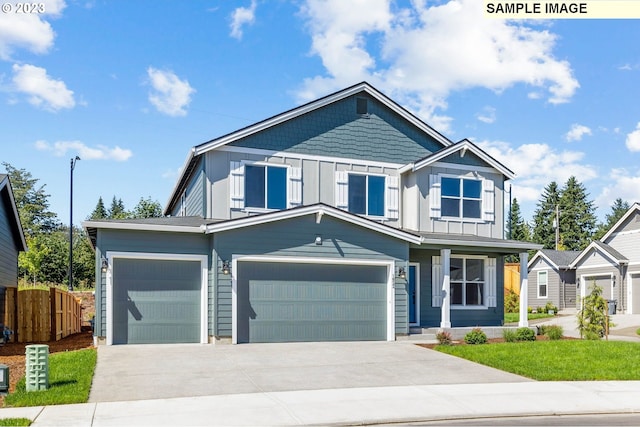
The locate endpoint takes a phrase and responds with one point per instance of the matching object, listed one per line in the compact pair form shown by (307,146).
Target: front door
(413,292)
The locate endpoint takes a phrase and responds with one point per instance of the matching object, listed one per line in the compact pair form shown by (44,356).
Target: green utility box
(4,379)
(37,367)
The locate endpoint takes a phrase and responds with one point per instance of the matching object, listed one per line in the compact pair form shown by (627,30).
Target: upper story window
(259,186)
(364,194)
(452,197)
(542,284)
(461,197)
(265,187)
(467,281)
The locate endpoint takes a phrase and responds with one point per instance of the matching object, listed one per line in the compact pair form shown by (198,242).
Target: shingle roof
(614,253)
(560,258)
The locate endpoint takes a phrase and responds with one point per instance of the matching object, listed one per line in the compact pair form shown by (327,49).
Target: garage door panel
(603,281)
(156,301)
(311,302)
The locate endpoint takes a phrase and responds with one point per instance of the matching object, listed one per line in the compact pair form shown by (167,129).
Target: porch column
(445,318)
(524,290)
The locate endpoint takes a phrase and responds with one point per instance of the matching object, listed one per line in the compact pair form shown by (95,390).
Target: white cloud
(100,152)
(487,115)
(420,54)
(240,17)
(577,132)
(29,31)
(622,183)
(536,165)
(43,91)
(633,139)
(170,95)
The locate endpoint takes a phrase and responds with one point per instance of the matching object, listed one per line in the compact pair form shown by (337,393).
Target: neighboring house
(12,242)
(347,218)
(551,279)
(612,263)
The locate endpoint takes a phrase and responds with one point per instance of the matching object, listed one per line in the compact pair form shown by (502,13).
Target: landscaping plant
(525,334)
(511,302)
(444,338)
(554,332)
(476,336)
(593,319)
(509,335)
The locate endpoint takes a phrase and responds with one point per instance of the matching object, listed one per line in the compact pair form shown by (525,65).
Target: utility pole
(73,165)
(556,225)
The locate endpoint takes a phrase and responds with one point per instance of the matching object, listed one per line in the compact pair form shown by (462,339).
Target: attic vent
(362,106)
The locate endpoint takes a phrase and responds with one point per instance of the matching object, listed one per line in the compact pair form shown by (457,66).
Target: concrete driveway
(137,372)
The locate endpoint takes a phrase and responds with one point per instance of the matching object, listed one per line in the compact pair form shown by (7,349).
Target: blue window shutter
(342,190)
(434,196)
(236,185)
(392,197)
(436,281)
(488,200)
(295,187)
(490,282)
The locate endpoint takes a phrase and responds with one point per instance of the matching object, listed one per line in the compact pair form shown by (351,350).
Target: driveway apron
(136,372)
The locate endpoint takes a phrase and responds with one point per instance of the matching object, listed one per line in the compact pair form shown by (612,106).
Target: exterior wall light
(226,268)
(402,273)
(105,265)
(318,239)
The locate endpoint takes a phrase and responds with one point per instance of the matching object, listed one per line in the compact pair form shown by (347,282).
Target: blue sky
(131,86)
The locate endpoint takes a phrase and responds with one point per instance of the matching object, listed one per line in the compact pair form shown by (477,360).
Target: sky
(131,86)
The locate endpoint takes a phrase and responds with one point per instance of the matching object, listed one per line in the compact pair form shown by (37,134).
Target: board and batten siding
(430,316)
(8,248)
(416,202)
(296,238)
(318,178)
(109,240)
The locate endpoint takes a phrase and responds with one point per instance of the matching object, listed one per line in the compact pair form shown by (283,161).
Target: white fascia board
(6,183)
(304,109)
(632,209)
(141,227)
(593,245)
(307,210)
(483,244)
(541,254)
(183,170)
(468,146)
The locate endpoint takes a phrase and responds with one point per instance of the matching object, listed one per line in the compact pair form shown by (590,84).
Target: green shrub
(550,307)
(554,332)
(509,335)
(444,338)
(476,336)
(529,310)
(511,302)
(525,334)
(638,331)
(542,329)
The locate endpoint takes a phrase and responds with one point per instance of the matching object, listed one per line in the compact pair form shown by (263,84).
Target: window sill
(469,307)
(259,210)
(457,219)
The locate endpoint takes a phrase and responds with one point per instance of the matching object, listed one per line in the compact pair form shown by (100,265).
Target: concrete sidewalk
(370,405)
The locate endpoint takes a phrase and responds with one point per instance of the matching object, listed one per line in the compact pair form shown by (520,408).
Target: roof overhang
(463,147)
(468,241)
(623,218)
(598,248)
(319,210)
(5,185)
(541,254)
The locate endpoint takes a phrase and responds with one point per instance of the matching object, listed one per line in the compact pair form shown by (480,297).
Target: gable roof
(461,146)
(6,191)
(363,87)
(558,259)
(633,209)
(613,255)
(319,209)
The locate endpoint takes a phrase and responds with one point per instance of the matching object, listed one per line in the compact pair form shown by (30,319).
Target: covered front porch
(458,281)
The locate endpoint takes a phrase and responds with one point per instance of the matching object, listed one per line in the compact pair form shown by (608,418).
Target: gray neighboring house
(12,242)
(551,279)
(346,218)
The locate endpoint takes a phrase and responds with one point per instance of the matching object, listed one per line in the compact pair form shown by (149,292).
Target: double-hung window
(467,282)
(366,194)
(265,187)
(542,284)
(461,197)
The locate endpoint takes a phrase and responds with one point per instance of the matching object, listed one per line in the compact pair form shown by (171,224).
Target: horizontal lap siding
(196,196)
(139,241)
(296,238)
(8,251)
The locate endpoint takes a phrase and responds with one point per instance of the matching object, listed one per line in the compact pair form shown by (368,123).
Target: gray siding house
(551,279)
(347,218)
(12,242)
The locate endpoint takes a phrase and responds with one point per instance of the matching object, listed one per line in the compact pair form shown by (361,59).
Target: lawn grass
(70,376)
(15,422)
(563,360)
(515,317)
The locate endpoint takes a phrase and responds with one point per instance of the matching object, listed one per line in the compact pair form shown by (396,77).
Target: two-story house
(347,218)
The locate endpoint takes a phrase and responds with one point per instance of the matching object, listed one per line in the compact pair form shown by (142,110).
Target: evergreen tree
(518,228)
(544,232)
(577,216)
(147,208)
(100,212)
(618,209)
(117,210)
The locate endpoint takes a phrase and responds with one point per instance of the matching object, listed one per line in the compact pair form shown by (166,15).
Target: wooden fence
(512,277)
(47,315)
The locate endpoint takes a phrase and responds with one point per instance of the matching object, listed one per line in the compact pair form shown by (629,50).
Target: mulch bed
(13,354)
(493,341)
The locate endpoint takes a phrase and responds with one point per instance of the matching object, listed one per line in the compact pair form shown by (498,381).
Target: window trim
(461,198)
(539,273)
(485,284)
(366,190)
(265,165)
